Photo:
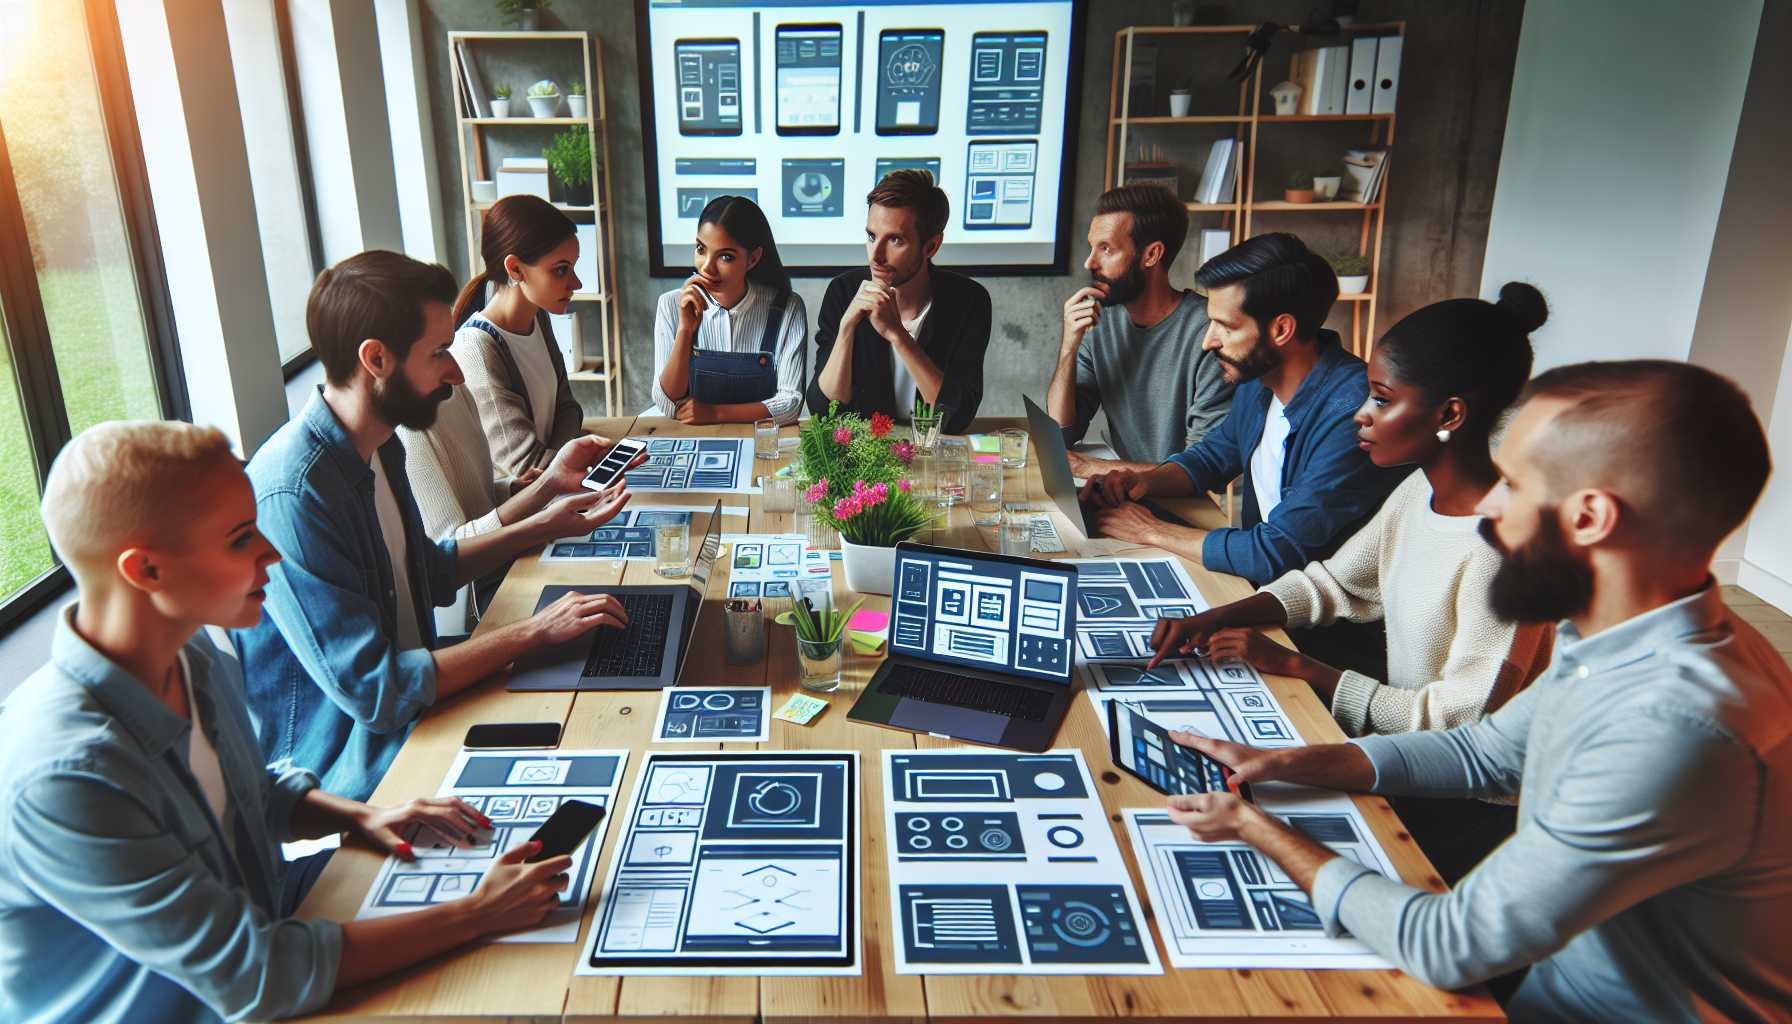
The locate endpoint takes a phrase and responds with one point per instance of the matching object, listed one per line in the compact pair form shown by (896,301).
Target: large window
(84,311)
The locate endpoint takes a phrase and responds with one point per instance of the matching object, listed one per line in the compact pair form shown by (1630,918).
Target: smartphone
(809,79)
(908,81)
(562,833)
(1143,749)
(614,463)
(513,736)
(709,89)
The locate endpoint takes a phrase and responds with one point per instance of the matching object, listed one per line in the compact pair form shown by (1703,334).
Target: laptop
(981,648)
(1053,457)
(646,655)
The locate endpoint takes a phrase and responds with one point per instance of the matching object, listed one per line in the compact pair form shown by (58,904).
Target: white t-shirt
(533,362)
(1266,461)
(905,381)
(385,504)
(202,758)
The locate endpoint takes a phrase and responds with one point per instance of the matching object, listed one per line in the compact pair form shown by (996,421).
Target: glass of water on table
(672,549)
(765,440)
(985,496)
(1017,532)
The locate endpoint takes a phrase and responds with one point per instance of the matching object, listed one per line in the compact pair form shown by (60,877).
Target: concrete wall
(1456,75)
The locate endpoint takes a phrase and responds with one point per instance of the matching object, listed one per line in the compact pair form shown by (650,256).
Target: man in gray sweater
(1131,344)
(1651,874)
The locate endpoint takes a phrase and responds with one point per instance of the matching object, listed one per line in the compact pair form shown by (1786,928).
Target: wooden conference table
(535,982)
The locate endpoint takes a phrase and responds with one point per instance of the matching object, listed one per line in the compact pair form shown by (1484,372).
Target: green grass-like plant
(569,156)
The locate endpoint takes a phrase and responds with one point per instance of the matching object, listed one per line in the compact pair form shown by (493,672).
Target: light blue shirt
(119,898)
(1651,874)
(328,685)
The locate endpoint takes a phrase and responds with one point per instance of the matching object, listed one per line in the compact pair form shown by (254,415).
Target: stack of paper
(1364,170)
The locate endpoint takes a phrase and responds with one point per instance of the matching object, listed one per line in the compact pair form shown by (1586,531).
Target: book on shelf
(477,105)
(1218,177)
(1323,74)
(1364,170)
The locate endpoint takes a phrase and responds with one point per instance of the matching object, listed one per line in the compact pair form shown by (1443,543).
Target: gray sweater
(1162,393)
(1651,874)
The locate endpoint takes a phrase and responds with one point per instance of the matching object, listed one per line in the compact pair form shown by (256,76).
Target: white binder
(1336,79)
(1387,74)
(1361,97)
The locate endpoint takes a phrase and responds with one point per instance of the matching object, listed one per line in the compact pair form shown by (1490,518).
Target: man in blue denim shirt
(1291,431)
(346,658)
(1650,878)
(140,870)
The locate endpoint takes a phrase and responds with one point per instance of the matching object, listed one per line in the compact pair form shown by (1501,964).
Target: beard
(1122,289)
(901,275)
(1261,359)
(399,403)
(1541,580)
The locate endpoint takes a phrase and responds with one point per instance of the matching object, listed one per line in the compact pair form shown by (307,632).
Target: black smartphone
(908,81)
(562,833)
(1143,749)
(513,736)
(709,86)
(614,463)
(808,95)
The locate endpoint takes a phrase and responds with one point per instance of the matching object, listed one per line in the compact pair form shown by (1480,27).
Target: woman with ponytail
(731,346)
(506,349)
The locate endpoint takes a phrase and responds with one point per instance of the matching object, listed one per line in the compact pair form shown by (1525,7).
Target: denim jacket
(120,899)
(1329,486)
(328,688)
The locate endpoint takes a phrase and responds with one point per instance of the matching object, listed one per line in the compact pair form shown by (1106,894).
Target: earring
(1443,436)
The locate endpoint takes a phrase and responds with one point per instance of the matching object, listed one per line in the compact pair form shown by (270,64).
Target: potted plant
(1287,97)
(820,627)
(575,98)
(1300,187)
(854,476)
(544,98)
(1325,186)
(1352,271)
(1180,100)
(569,157)
(525,14)
(501,100)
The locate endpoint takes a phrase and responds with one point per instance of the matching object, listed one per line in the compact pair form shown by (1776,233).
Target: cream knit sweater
(1450,661)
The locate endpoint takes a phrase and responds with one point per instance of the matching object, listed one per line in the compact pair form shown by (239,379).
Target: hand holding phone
(562,833)
(615,463)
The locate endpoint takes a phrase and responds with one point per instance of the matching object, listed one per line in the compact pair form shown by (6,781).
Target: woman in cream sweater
(1438,383)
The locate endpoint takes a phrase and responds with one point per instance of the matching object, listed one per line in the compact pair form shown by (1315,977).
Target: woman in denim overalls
(731,345)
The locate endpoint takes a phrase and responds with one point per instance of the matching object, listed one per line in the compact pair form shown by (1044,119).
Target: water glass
(986,493)
(672,549)
(780,494)
(765,440)
(1017,532)
(926,432)
(818,664)
(1014,447)
(952,467)
(744,642)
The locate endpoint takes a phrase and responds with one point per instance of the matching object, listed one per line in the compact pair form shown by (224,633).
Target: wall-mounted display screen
(802,105)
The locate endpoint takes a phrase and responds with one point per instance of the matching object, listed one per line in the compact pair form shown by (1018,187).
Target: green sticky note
(988,444)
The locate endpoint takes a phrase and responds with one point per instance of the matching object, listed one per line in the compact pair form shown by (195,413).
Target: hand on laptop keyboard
(574,615)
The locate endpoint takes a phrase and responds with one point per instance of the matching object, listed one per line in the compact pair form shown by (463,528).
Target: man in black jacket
(902,329)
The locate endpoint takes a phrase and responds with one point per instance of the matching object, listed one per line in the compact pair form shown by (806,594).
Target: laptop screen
(1014,615)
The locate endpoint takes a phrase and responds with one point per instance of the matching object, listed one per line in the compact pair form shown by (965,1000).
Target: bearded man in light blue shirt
(1651,874)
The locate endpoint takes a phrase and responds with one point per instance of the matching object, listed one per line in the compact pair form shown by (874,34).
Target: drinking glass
(780,494)
(986,492)
(952,466)
(926,432)
(1014,448)
(672,549)
(818,664)
(744,643)
(765,440)
(1017,532)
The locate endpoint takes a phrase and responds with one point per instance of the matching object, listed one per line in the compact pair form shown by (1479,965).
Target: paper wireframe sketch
(729,714)
(628,537)
(1006,864)
(1224,699)
(708,464)
(1119,600)
(518,792)
(774,565)
(734,864)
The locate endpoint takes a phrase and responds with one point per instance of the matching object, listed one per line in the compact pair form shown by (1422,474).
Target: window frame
(27,334)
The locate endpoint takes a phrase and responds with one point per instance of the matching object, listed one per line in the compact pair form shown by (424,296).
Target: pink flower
(843,435)
(881,424)
(846,508)
(817,491)
(904,451)
(903,486)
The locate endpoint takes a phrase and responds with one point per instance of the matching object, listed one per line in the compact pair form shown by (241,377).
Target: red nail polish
(404,850)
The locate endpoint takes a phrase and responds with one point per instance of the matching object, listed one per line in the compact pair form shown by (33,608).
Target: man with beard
(1651,874)
(1290,431)
(1142,362)
(902,330)
(345,659)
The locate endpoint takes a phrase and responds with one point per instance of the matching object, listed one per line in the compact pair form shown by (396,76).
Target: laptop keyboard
(638,649)
(966,692)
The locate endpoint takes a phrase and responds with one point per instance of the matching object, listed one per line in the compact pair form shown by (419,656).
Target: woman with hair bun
(506,350)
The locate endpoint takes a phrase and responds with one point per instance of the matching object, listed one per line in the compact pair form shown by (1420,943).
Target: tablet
(1143,749)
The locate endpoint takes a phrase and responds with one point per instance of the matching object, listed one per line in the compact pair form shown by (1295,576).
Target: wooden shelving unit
(1239,217)
(594,359)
